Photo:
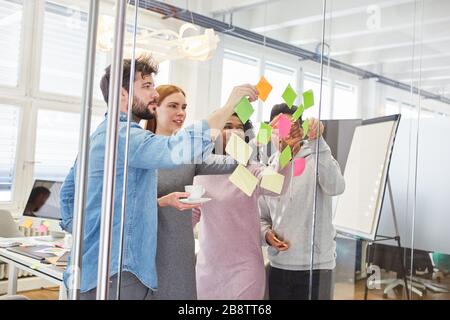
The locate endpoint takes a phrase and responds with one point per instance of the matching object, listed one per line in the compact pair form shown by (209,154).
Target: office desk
(18,261)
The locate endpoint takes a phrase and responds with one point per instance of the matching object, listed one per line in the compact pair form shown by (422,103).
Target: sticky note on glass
(298,113)
(28,223)
(308,99)
(244,109)
(238,149)
(285,157)
(305,126)
(244,180)
(289,96)
(284,126)
(264,88)
(272,180)
(299,166)
(43,228)
(264,133)
(35,266)
(45,223)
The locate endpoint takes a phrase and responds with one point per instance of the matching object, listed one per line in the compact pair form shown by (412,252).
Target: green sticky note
(305,127)
(244,110)
(289,96)
(298,113)
(285,157)
(308,99)
(264,133)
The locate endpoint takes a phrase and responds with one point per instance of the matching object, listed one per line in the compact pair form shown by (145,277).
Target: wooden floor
(343,291)
(43,294)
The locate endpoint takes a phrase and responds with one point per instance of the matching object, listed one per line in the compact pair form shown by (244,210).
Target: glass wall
(361,210)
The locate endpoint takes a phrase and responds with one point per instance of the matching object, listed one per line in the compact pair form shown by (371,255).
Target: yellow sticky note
(238,149)
(35,266)
(272,180)
(45,223)
(244,180)
(27,223)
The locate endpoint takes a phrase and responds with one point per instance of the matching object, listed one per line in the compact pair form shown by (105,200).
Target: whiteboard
(358,208)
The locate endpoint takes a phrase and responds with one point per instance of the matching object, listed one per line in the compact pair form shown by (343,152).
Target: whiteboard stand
(378,238)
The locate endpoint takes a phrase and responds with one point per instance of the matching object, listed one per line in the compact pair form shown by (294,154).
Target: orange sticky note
(264,88)
(27,223)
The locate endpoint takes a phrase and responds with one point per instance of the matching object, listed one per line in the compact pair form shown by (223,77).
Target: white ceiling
(377,35)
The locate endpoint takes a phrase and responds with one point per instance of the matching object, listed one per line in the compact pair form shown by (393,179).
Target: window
(408,111)
(163,73)
(57,142)
(238,69)
(345,101)
(9,124)
(312,82)
(64,53)
(279,77)
(391,107)
(10,41)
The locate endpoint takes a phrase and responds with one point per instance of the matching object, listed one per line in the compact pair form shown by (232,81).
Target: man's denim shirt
(147,153)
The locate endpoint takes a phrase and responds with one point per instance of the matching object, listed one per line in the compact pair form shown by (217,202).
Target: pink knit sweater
(230,263)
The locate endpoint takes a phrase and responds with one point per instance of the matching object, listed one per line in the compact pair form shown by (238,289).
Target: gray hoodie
(290,215)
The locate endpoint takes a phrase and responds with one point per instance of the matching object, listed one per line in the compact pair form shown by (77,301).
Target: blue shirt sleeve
(67,198)
(188,146)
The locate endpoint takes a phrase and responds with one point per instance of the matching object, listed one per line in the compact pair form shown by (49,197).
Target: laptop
(32,252)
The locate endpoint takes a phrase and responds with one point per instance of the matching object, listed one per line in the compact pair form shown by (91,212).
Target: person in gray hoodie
(286,222)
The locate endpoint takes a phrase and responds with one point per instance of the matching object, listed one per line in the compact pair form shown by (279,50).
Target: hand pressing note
(293,140)
(313,125)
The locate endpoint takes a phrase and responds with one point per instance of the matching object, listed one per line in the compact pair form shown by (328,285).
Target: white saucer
(195,201)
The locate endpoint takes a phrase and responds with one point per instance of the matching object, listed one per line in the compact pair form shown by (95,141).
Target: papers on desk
(59,261)
(52,250)
(44,254)
(8,243)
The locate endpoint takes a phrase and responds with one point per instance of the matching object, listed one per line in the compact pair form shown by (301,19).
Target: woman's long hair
(164,91)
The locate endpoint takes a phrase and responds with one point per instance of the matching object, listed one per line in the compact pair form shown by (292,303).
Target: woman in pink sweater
(230,263)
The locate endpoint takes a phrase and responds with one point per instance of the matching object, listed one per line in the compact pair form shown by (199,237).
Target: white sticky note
(238,149)
(244,180)
(272,180)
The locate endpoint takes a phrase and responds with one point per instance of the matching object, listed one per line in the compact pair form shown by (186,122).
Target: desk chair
(8,227)
(388,258)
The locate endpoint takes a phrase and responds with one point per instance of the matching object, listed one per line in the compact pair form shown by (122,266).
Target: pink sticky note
(299,166)
(284,126)
(43,228)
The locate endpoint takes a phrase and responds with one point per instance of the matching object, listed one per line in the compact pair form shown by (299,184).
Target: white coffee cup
(195,191)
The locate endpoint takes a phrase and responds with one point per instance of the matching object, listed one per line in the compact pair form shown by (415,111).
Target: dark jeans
(131,289)
(294,285)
